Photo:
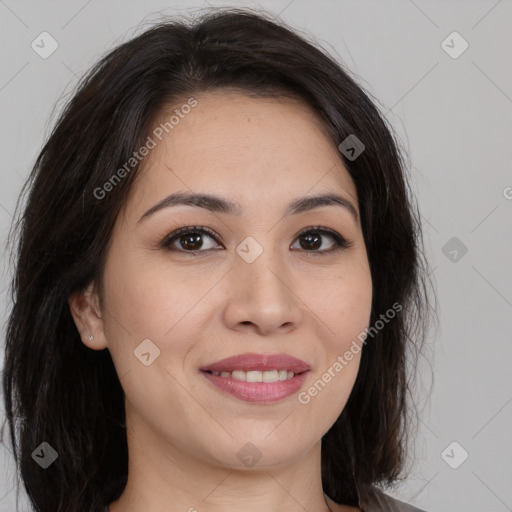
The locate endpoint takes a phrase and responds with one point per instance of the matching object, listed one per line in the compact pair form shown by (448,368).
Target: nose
(262,296)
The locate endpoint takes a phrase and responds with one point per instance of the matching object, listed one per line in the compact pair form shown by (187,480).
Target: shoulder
(374,500)
(381,502)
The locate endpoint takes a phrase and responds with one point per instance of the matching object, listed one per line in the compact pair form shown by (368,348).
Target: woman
(223,209)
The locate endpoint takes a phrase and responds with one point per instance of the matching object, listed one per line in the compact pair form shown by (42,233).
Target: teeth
(257,376)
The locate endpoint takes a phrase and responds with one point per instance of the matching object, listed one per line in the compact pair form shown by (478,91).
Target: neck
(163,474)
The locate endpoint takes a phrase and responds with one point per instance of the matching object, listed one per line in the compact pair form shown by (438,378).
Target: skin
(183,433)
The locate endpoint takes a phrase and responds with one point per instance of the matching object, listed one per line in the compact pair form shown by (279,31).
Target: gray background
(454,117)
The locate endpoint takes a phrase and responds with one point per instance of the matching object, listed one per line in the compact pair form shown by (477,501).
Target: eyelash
(340,242)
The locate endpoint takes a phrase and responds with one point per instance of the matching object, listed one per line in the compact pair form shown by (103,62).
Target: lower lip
(258,391)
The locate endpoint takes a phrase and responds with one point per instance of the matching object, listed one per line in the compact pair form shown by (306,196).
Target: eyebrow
(220,205)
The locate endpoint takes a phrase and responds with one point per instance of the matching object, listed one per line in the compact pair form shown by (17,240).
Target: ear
(84,306)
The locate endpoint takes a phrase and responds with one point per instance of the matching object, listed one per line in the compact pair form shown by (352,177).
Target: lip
(258,362)
(258,391)
(261,392)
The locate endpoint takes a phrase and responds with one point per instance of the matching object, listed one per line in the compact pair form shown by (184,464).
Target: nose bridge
(263,295)
(259,265)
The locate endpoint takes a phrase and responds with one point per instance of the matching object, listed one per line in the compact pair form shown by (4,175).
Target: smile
(257,376)
(257,391)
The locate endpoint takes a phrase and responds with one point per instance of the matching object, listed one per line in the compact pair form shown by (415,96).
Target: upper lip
(254,362)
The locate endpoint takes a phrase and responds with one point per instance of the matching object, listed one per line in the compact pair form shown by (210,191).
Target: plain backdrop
(452,108)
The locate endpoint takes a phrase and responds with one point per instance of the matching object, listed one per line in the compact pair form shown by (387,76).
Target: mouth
(252,362)
(257,377)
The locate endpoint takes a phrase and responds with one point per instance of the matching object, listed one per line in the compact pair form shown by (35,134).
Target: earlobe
(88,318)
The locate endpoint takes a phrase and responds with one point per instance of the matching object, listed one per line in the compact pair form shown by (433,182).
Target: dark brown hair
(59,391)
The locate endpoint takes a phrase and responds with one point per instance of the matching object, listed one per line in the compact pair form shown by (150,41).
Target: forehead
(250,149)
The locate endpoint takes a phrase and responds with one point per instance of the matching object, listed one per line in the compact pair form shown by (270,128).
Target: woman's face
(250,284)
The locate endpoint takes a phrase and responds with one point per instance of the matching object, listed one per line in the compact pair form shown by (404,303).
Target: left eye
(190,239)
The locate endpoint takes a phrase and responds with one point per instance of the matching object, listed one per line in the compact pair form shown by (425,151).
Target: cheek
(142,305)
(343,305)
(343,308)
(145,298)
(152,302)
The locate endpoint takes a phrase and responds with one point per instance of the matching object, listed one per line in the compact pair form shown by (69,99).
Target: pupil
(317,239)
(195,238)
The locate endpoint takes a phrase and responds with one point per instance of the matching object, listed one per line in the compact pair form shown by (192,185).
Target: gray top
(381,502)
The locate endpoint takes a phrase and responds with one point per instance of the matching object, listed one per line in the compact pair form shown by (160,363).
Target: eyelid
(341,242)
(165,243)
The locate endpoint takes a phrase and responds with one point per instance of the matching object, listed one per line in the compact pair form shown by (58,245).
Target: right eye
(190,239)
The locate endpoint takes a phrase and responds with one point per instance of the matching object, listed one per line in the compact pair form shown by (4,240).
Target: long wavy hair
(58,391)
